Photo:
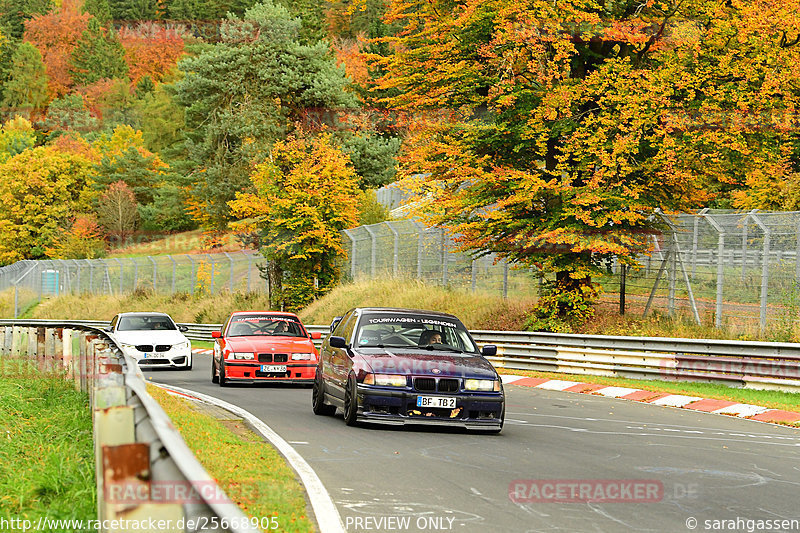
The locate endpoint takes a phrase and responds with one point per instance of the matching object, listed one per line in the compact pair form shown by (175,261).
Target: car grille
(448,385)
(163,347)
(265,358)
(436,385)
(281,357)
(144,347)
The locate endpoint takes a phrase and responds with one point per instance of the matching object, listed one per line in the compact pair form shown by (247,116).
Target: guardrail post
(32,343)
(16,341)
(66,349)
(40,349)
(7,334)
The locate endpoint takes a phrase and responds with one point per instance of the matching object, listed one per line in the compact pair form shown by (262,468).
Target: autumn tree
(97,55)
(56,34)
(560,127)
(117,210)
(305,194)
(81,239)
(41,189)
(151,49)
(26,90)
(244,93)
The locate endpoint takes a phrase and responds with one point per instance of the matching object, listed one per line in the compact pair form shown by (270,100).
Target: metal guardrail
(749,364)
(144,468)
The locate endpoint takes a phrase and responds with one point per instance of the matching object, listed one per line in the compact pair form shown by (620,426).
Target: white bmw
(153,339)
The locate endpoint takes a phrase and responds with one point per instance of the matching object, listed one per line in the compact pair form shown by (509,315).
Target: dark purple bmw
(405,366)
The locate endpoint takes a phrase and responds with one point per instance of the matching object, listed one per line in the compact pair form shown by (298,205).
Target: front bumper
(250,372)
(478,411)
(174,358)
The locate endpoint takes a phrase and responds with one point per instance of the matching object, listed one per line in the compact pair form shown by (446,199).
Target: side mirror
(489,350)
(338,342)
(183,329)
(335,322)
(216,334)
(315,335)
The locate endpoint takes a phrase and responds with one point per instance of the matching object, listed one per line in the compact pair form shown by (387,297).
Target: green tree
(306,193)
(26,90)
(68,114)
(16,136)
(244,93)
(41,189)
(100,9)
(97,55)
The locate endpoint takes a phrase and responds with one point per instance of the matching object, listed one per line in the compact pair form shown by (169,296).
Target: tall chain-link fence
(189,273)
(724,268)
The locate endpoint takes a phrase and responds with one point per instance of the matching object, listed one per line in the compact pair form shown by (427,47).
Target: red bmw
(256,346)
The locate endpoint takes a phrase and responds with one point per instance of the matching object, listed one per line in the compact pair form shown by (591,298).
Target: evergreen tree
(98,55)
(26,90)
(100,9)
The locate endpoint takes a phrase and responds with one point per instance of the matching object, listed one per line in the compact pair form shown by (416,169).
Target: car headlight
(301,357)
(183,344)
(482,385)
(243,355)
(386,380)
(123,345)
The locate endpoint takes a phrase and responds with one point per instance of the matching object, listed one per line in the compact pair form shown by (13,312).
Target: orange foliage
(55,35)
(151,49)
(348,52)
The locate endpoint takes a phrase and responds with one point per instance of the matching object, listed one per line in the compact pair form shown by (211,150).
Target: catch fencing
(144,469)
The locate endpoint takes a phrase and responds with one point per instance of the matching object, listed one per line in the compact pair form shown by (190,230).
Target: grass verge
(250,471)
(787,401)
(46,451)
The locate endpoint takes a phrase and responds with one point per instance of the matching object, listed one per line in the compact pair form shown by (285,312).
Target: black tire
(214,377)
(351,402)
(191,362)
(318,398)
(223,381)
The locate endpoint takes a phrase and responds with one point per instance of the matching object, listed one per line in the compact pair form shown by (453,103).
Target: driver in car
(430,336)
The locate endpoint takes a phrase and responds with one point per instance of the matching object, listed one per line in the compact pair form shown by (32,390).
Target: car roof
(144,313)
(402,310)
(272,313)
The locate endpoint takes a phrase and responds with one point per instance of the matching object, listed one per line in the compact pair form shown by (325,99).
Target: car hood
(427,363)
(150,337)
(270,344)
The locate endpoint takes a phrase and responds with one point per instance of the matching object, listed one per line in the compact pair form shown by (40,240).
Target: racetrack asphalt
(707,468)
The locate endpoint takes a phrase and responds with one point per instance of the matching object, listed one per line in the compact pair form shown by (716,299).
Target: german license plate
(145,356)
(274,369)
(444,402)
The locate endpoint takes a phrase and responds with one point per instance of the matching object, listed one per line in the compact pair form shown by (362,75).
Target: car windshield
(405,330)
(259,325)
(146,323)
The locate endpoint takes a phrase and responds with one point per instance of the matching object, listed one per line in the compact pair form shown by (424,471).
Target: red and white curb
(202,350)
(707,405)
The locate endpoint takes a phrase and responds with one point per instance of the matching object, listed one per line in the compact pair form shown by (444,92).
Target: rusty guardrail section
(144,470)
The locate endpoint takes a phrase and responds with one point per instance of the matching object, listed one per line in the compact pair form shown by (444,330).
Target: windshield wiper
(442,347)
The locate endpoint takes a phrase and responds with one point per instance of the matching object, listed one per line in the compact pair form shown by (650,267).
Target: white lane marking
(325,511)
(557,384)
(511,379)
(741,409)
(297,442)
(615,392)
(675,400)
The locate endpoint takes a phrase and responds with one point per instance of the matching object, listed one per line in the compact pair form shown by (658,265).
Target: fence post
(373,251)
(352,254)
(155,271)
(135,273)
(192,280)
(505,278)
(474,274)
(420,238)
(695,236)
(623,270)
(744,247)
(211,289)
(764,270)
(249,270)
(720,267)
(174,268)
(797,257)
(230,261)
(395,249)
(444,257)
